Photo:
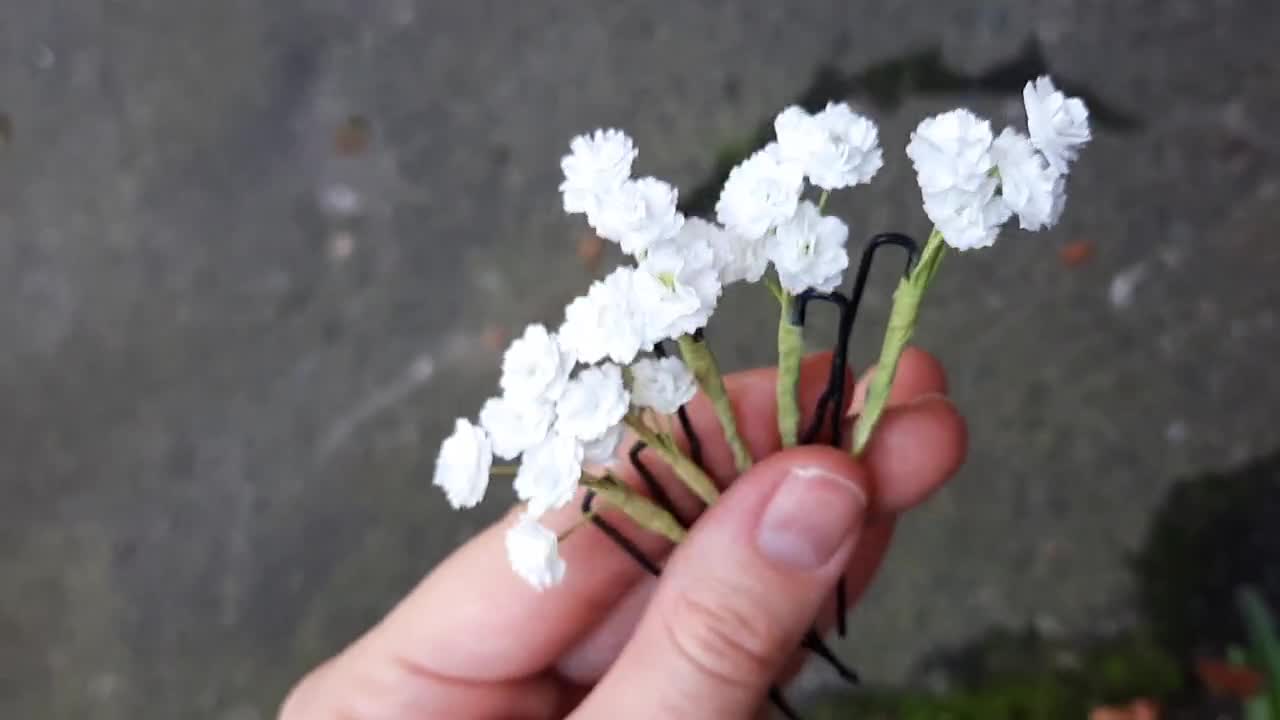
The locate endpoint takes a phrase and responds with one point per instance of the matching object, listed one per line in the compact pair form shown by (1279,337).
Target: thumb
(740,592)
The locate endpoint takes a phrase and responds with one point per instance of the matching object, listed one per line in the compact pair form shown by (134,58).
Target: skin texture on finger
(729,611)
(919,373)
(362,685)
(915,449)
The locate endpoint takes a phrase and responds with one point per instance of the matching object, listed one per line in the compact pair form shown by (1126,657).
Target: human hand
(709,637)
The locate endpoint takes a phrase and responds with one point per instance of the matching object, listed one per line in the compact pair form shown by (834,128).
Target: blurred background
(256,256)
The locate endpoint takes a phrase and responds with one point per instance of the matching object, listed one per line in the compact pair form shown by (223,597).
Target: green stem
(687,470)
(697,356)
(790,350)
(902,322)
(822,199)
(645,512)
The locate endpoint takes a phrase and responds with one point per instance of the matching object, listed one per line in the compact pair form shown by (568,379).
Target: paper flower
(534,553)
(594,401)
(836,148)
(535,366)
(462,467)
(951,153)
(663,384)
(605,322)
(760,193)
(1058,125)
(602,451)
(736,257)
(637,214)
(549,473)
(596,165)
(1031,189)
(677,287)
(515,424)
(808,251)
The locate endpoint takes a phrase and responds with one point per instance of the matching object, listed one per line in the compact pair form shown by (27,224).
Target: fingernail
(808,518)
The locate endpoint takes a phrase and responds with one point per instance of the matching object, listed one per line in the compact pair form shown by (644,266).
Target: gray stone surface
(229,352)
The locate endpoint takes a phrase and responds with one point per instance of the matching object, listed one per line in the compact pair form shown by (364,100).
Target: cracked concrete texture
(230,352)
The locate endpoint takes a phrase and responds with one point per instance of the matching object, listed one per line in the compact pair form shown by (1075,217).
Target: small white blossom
(603,449)
(515,424)
(968,220)
(594,401)
(1059,125)
(462,467)
(952,151)
(1032,189)
(837,148)
(597,164)
(760,193)
(952,157)
(534,553)
(549,473)
(637,214)
(663,384)
(736,257)
(605,322)
(535,366)
(808,251)
(677,287)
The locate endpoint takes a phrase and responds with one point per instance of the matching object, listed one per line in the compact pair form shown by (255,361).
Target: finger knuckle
(714,630)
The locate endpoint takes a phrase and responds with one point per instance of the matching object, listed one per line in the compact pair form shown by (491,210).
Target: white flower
(837,148)
(603,449)
(1058,125)
(594,401)
(535,366)
(952,157)
(677,287)
(664,384)
(952,151)
(968,220)
(549,473)
(637,214)
(808,251)
(534,553)
(736,257)
(605,322)
(597,164)
(462,467)
(516,424)
(1032,189)
(760,193)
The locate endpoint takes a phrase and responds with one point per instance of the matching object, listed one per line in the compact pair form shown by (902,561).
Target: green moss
(1020,676)
(1212,535)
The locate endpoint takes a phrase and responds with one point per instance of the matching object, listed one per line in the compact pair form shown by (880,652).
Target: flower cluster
(567,393)
(762,198)
(972,181)
(556,422)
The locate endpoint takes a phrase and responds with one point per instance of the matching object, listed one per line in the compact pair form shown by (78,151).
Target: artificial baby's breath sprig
(835,148)
(972,183)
